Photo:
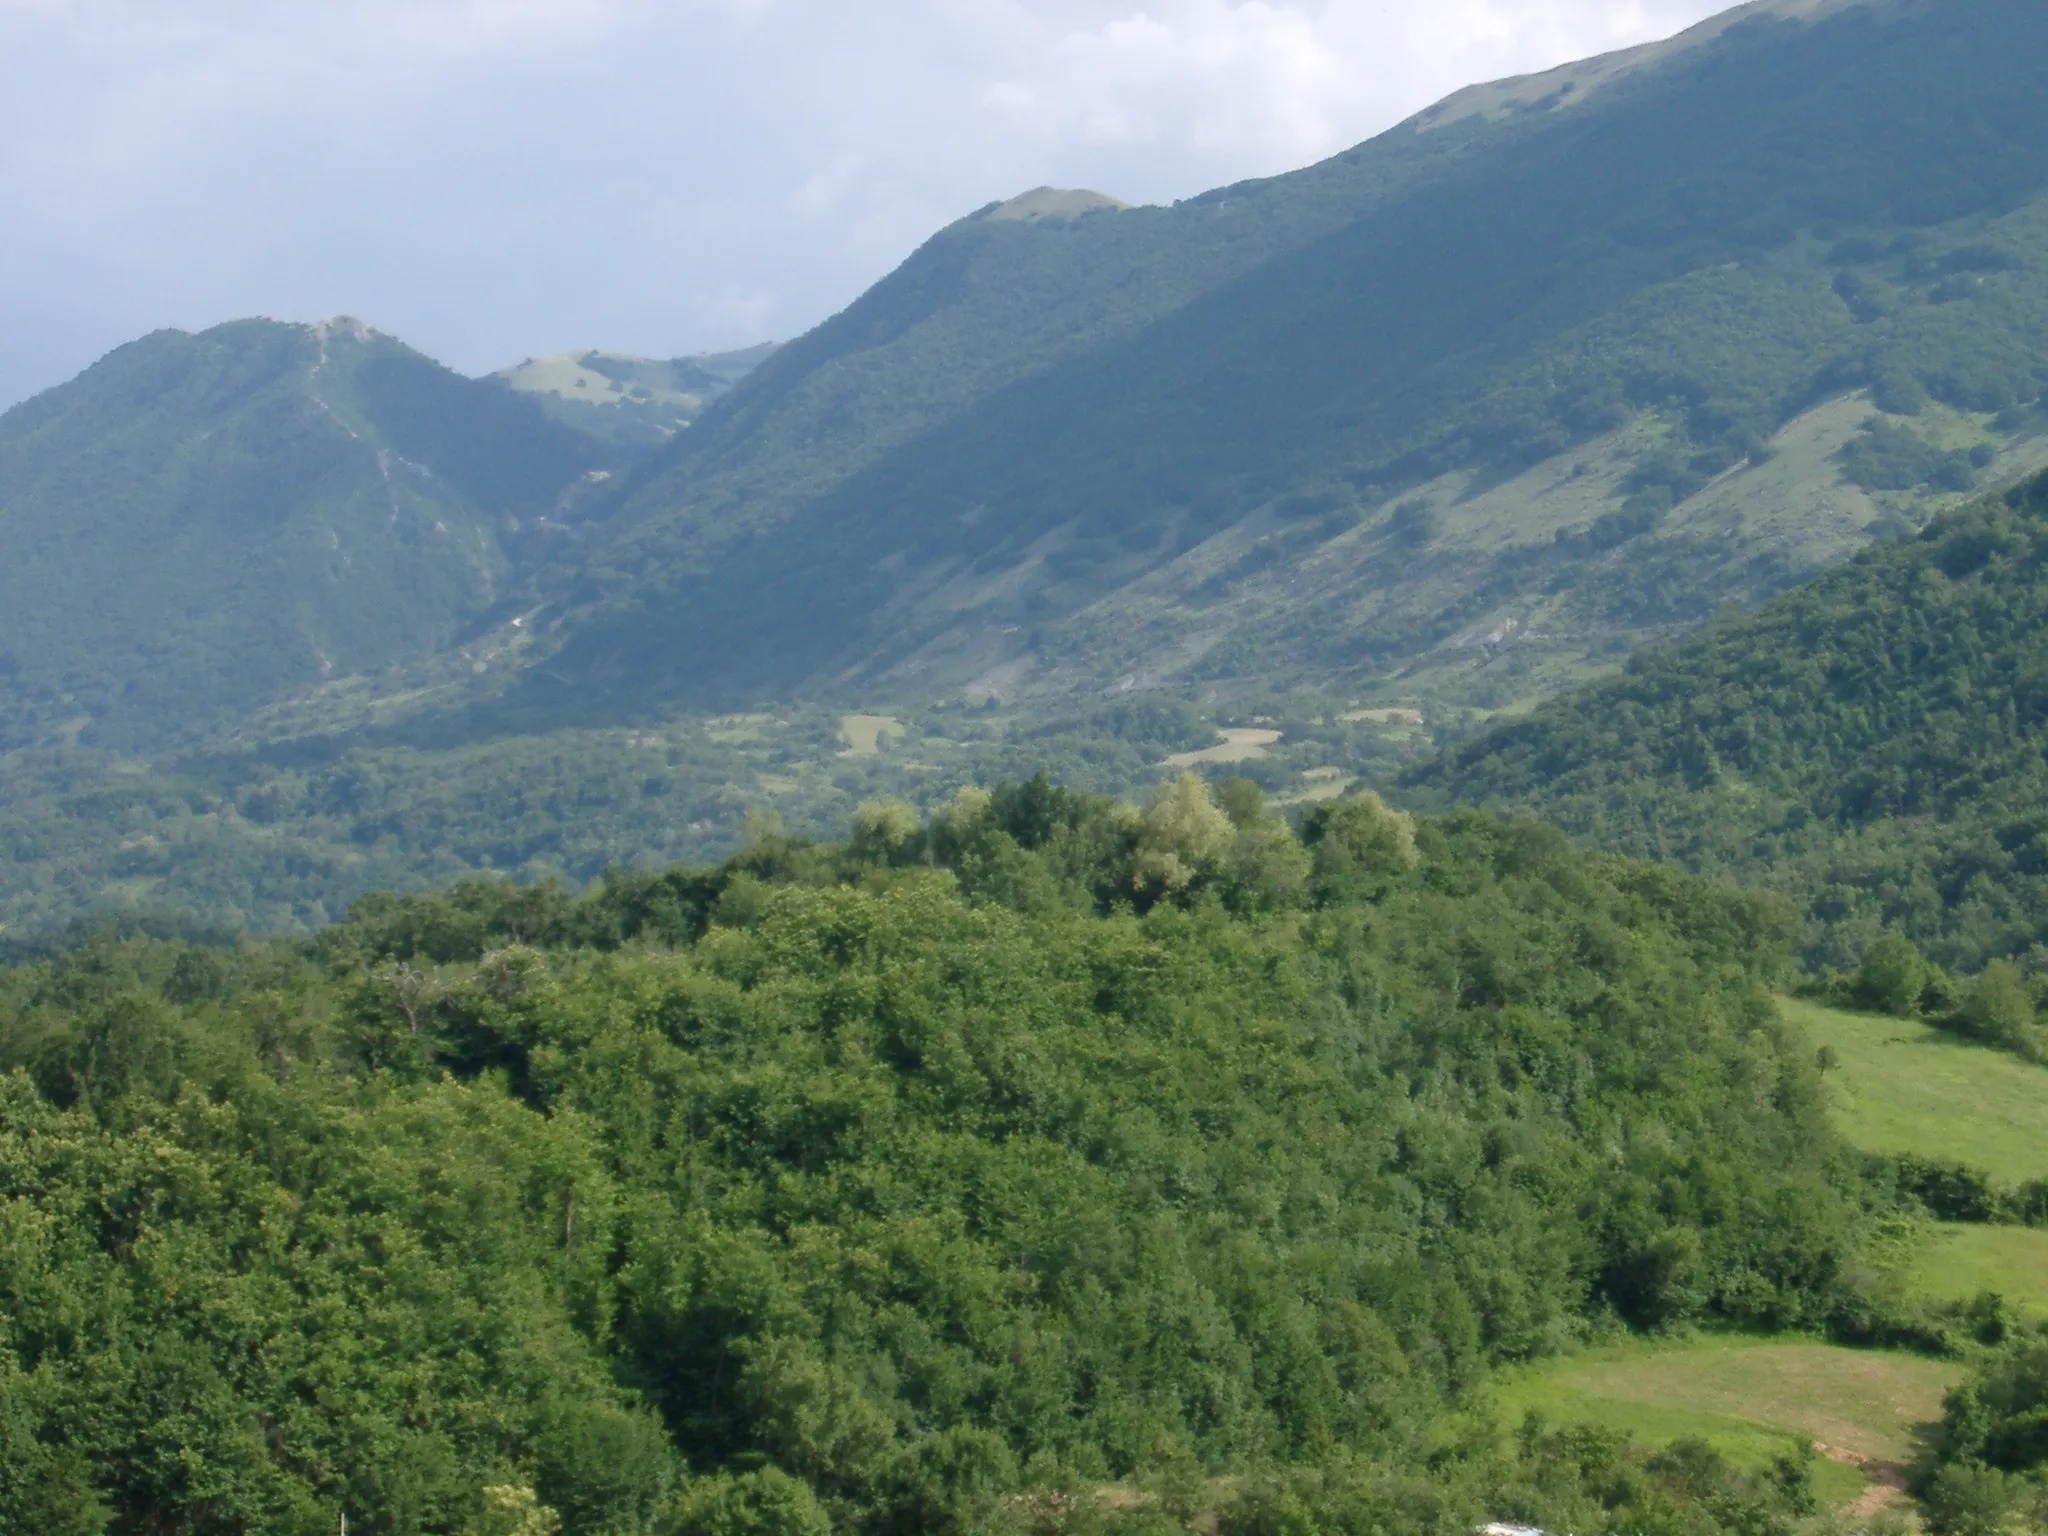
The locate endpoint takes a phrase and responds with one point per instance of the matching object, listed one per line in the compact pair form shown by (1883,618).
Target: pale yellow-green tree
(1183,836)
(1267,861)
(1359,847)
(968,808)
(761,830)
(955,825)
(880,827)
(513,1509)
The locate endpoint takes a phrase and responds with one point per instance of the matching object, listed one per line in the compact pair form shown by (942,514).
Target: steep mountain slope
(1520,364)
(202,524)
(1875,744)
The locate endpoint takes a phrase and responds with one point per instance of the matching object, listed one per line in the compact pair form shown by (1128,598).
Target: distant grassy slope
(200,525)
(1875,744)
(1171,443)
(1902,1086)
(641,401)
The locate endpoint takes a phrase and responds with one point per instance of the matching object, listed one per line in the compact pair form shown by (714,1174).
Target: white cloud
(495,178)
(1260,79)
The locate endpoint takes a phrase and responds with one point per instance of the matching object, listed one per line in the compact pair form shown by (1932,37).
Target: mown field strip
(1751,1399)
(1962,1262)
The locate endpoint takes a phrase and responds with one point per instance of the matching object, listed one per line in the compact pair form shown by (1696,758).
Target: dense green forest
(932,1180)
(1873,745)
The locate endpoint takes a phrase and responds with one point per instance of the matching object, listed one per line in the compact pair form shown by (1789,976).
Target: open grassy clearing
(1237,746)
(1318,785)
(568,374)
(1749,1398)
(734,730)
(1960,1262)
(863,733)
(1904,1087)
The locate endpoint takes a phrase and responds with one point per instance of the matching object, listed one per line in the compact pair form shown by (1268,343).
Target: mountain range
(1351,460)
(1147,885)
(1599,338)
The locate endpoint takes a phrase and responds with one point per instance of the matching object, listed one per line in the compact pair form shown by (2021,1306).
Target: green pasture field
(863,733)
(1901,1086)
(1961,1262)
(1749,1398)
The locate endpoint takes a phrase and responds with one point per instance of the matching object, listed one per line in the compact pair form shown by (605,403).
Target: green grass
(1960,1262)
(863,734)
(1904,1087)
(1746,1397)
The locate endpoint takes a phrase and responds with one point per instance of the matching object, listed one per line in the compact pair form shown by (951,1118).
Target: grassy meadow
(1903,1086)
(1960,1262)
(1899,1087)
(1749,1398)
(864,734)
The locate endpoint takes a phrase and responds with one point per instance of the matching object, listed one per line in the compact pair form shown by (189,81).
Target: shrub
(765,1503)
(1999,1011)
(1892,977)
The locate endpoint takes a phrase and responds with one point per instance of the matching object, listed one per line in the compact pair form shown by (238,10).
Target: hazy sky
(496,178)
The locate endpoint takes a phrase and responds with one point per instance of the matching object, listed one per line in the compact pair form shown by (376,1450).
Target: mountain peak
(343,325)
(1058,205)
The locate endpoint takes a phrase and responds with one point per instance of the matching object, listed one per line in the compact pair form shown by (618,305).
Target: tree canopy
(933,1178)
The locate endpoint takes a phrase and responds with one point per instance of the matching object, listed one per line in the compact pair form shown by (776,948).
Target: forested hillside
(1570,369)
(199,526)
(1874,745)
(931,1181)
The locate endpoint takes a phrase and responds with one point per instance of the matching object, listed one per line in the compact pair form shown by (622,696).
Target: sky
(498,179)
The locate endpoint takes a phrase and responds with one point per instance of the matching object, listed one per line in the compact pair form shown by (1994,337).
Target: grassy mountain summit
(1062,204)
(1582,359)
(200,525)
(1876,744)
(640,401)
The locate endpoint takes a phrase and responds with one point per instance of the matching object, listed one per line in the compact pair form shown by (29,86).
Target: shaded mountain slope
(1875,744)
(202,524)
(970,473)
